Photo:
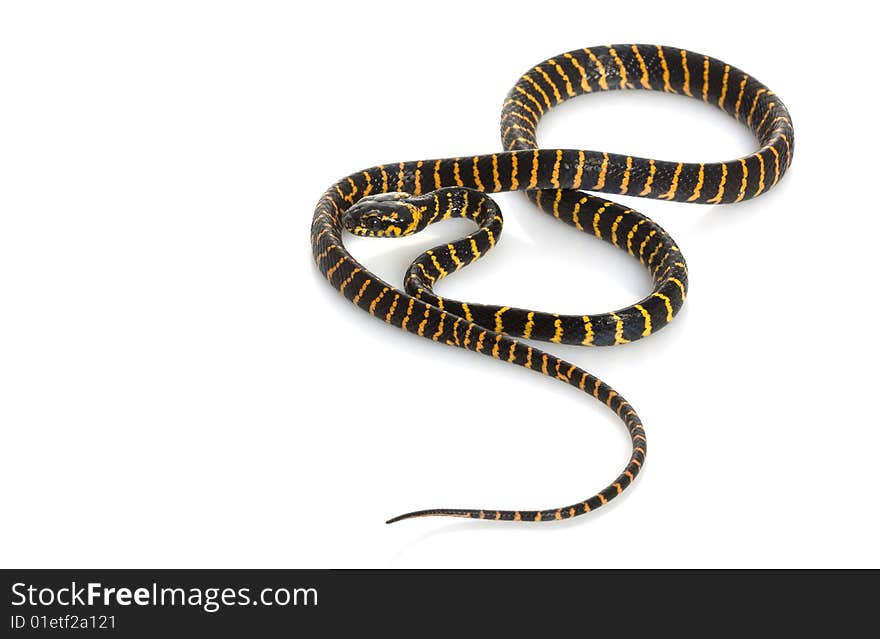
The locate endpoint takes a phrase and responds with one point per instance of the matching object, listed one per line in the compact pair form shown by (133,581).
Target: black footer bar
(134,603)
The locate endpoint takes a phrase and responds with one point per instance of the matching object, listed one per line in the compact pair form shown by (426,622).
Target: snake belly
(559,181)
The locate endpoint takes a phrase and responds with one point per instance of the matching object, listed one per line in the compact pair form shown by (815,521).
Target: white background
(180,387)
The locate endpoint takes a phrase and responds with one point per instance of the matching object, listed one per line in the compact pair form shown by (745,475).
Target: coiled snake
(400,199)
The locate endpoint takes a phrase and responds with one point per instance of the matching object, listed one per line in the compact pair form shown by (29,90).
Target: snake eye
(372,223)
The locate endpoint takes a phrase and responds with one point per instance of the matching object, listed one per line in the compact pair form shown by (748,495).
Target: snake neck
(458,202)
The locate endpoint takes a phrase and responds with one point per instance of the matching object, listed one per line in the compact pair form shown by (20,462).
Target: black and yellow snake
(401,199)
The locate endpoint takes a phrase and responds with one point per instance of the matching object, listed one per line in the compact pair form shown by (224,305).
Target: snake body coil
(399,199)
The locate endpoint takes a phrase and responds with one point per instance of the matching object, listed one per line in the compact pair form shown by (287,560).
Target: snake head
(384,215)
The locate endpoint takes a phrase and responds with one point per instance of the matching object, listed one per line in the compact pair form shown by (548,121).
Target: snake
(400,199)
